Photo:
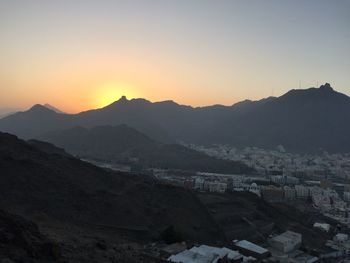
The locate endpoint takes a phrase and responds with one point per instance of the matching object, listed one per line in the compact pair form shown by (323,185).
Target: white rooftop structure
(204,254)
(188,256)
(322,226)
(207,250)
(340,237)
(286,242)
(251,246)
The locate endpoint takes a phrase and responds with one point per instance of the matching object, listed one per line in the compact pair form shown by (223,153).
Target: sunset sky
(78,55)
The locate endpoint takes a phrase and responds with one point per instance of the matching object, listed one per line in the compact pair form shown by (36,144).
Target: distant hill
(300,120)
(40,119)
(125,144)
(35,121)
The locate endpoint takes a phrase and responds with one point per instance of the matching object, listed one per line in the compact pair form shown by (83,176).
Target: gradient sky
(84,54)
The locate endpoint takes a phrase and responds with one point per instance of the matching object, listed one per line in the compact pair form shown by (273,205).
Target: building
(340,237)
(289,193)
(278,179)
(217,187)
(199,184)
(229,183)
(322,226)
(283,179)
(302,191)
(255,189)
(250,249)
(207,254)
(188,256)
(237,182)
(346,196)
(286,242)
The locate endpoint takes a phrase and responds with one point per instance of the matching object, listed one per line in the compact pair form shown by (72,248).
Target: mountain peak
(123,99)
(326,86)
(50,107)
(38,108)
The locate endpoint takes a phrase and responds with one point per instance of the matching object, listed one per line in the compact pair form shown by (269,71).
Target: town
(315,183)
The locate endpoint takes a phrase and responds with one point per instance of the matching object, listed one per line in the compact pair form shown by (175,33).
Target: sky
(83,54)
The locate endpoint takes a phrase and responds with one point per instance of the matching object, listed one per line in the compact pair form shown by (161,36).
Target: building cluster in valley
(322,179)
(279,161)
(331,200)
(319,196)
(285,247)
(317,183)
(320,183)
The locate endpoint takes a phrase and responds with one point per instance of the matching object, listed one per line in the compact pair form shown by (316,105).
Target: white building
(289,193)
(302,191)
(278,179)
(199,184)
(236,183)
(340,237)
(286,242)
(323,226)
(217,187)
(205,254)
(255,189)
(346,196)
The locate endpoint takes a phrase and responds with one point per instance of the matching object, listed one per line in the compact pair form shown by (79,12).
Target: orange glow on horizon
(109,92)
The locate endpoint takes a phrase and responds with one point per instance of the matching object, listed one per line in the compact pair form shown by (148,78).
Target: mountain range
(301,120)
(126,145)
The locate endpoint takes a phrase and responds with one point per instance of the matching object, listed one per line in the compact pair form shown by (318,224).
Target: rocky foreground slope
(59,208)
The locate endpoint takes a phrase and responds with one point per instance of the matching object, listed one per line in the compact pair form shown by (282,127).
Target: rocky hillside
(87,214)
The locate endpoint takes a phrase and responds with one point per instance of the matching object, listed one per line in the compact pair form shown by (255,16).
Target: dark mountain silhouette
(300,120)
(35,121)
(124,144)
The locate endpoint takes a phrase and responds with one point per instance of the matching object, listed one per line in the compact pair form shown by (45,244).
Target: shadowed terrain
(88,214)
(126,145)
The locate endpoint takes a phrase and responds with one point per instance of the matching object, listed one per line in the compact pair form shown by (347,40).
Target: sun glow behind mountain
(72,54)
(109,92)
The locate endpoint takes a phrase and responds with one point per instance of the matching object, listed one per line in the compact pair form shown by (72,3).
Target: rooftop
(251,246)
